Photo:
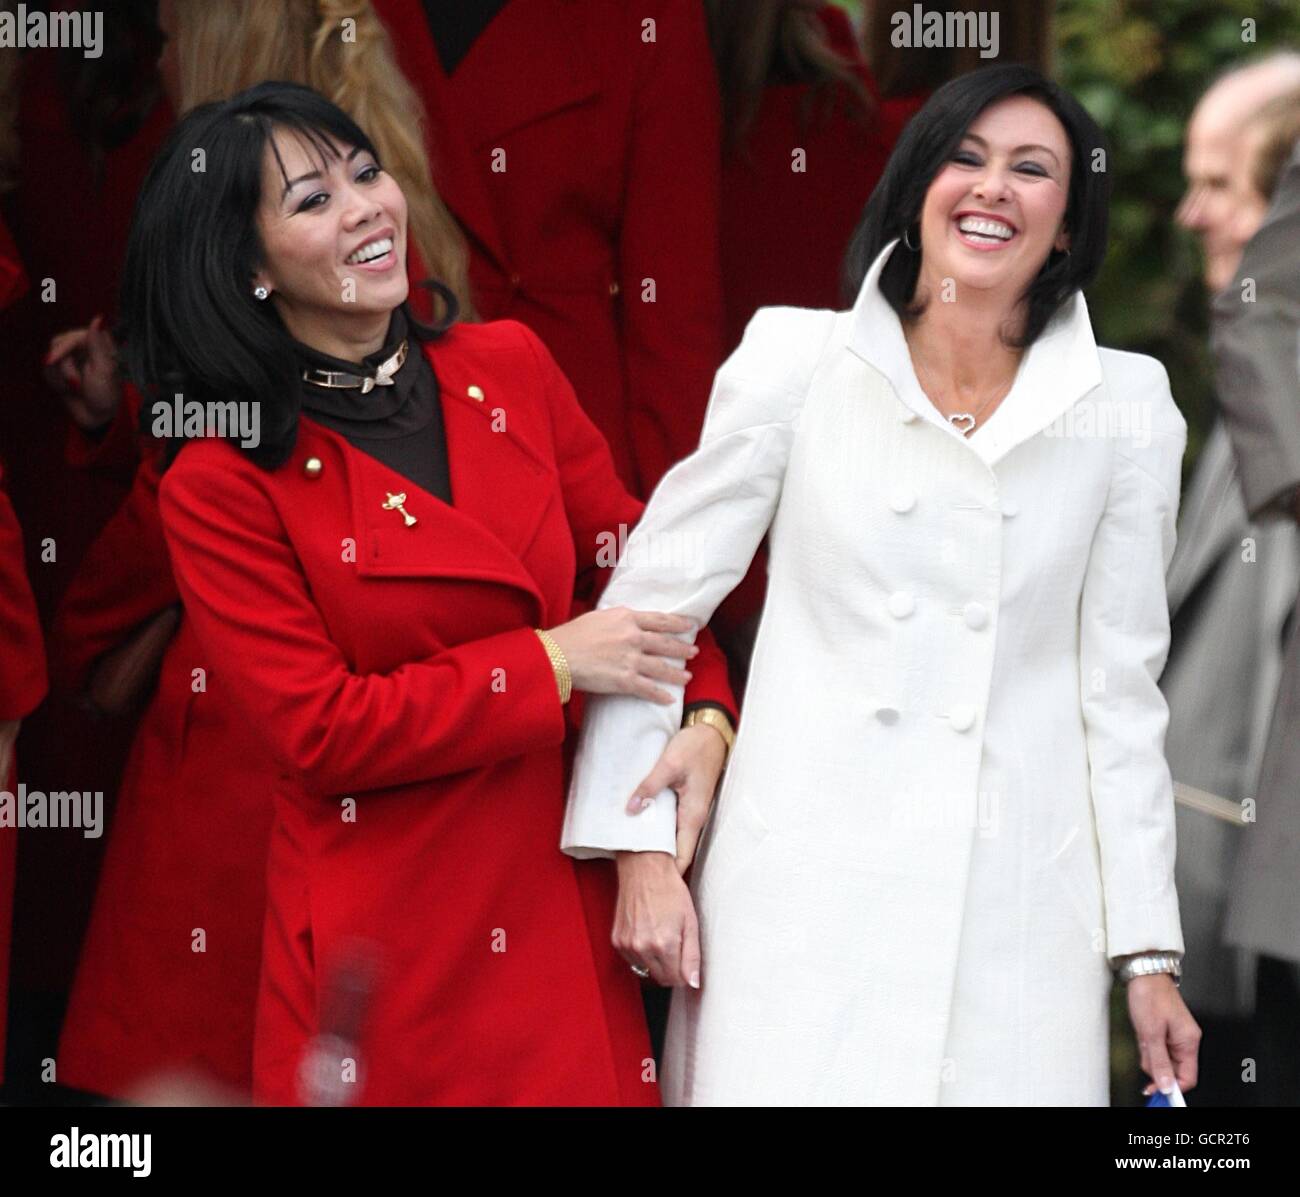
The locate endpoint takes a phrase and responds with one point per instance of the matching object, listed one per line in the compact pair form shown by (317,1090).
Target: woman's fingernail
(695,979)
(1166,1084)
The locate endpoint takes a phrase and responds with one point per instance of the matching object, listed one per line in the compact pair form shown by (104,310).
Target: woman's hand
(81,365)
(691,764)
(620,651)
(654,922)
(1167,1034)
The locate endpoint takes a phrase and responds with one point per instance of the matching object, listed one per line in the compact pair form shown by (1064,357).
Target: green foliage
(1139,66)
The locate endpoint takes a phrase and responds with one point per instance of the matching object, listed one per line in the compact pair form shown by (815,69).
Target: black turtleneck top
(400,425)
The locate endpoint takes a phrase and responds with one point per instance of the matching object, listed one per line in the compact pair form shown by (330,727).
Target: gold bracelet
(563,678)
(717,720)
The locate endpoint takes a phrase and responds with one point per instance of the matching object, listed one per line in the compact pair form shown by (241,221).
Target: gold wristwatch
(716,719)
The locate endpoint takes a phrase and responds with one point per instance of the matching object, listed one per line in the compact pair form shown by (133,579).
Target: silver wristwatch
(1147,964)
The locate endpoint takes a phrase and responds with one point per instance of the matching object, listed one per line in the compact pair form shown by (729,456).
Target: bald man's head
(1210,159)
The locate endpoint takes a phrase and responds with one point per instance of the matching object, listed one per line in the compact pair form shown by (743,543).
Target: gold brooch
(394,503)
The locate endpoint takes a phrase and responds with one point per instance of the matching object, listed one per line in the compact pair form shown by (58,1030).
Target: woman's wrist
(716,716)
(559,664)
(1149,964)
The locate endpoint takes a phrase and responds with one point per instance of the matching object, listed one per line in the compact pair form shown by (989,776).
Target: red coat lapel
(502,489)
(495,89)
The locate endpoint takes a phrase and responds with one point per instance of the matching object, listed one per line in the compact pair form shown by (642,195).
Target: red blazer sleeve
(338,731)
(22,647)
(670,234)
(124,579)
(598,505)
(117,451)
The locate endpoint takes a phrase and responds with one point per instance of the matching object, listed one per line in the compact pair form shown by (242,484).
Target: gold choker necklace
(338,380)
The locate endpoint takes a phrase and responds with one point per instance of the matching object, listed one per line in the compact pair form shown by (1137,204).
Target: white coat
(948,807)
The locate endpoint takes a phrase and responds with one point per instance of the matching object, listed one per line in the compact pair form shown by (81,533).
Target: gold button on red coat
(312,467)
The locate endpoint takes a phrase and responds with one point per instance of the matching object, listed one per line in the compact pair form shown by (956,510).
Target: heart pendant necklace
(963,421)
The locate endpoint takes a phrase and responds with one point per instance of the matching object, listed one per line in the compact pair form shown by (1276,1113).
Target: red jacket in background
(70,219)
(610,156)
(784,232)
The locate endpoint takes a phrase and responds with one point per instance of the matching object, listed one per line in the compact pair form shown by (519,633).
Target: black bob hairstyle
(189,321)
(930,139)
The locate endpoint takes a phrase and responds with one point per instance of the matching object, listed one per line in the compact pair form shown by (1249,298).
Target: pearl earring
(260,292)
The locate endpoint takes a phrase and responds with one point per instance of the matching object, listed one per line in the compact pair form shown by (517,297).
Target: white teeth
(986,229)
(370,251)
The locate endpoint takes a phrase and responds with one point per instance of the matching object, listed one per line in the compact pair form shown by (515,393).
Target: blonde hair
(225,47)
(755,39)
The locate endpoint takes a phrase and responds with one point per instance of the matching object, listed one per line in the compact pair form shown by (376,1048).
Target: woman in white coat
(947,817)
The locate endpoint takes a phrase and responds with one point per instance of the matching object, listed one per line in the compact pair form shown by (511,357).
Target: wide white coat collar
(1059,368)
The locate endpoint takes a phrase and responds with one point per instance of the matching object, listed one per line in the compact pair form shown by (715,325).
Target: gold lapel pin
(394,503)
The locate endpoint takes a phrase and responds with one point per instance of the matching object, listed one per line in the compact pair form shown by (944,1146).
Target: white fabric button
(886,714)
(1010,508)
(901,604)
(962,717)
(976,615)
(902,500)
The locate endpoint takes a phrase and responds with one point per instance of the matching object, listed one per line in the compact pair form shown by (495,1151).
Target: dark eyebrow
(1018,150)
(315,174)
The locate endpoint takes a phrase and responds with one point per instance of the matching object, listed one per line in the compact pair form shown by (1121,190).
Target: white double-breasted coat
(947,806)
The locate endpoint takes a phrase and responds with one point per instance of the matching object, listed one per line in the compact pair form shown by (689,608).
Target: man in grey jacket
(1257,348)
(1231,586)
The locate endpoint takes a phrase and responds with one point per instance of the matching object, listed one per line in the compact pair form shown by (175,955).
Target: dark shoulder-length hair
(929,141)
(189,321)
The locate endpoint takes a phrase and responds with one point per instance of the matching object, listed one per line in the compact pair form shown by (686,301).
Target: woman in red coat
(577,143)
(382,562)
(188,843)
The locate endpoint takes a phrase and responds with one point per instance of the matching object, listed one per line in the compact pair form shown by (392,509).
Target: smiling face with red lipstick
(996,210)
(333,230)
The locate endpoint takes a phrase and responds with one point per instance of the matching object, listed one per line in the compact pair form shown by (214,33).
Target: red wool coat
(416,733)
(610,177)
(186,846)
(69,215)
